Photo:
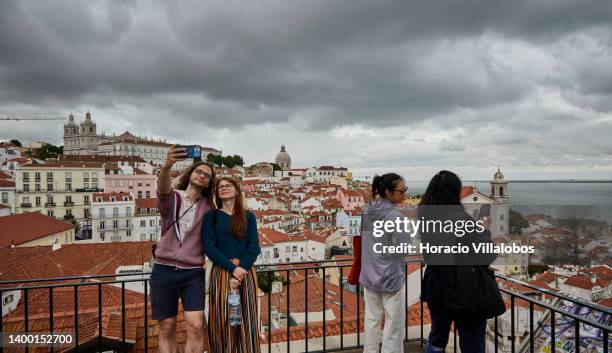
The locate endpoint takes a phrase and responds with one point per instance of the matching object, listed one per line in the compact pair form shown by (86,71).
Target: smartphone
(193,151)
(485,211)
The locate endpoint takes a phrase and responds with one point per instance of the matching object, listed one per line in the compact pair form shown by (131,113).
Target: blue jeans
(471,331)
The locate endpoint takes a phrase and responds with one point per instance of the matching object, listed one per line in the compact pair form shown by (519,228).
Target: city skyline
(374,87)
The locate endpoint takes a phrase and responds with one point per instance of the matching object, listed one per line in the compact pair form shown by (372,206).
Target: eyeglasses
(226,187)
(403,191)
(201,173)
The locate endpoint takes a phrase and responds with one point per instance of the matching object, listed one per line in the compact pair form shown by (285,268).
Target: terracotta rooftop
(24,227)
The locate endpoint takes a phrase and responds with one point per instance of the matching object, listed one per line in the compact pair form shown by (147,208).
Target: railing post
(50,315)
(358,287)
(1,315)
(324,323)
(76,317)
(288,314)
(553,339)
(577,335)
(100,318)
(421,304)
(269,311)
(512,322)
(123,347)
(306,306)
(341,308)
(496,336)
(531,348)
(146,313)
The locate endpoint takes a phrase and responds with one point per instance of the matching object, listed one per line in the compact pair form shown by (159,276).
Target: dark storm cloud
(519,75)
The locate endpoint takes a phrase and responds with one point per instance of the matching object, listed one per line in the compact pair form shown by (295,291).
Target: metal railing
(322,268)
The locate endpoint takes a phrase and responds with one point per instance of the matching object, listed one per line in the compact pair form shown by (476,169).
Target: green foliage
(225,161)
(276,167)
(16,143)
(264,284)
(517,222)
(47,151)
(533,269)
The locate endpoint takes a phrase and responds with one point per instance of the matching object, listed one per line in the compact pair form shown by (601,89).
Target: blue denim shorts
(169,283)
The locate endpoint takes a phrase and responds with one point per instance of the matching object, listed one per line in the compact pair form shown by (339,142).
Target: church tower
(71,132)
(500,212)
(89,135)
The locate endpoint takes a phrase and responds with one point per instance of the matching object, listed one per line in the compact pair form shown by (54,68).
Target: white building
(8,151)
(277,247)
(147,220)
(112,216)
(349,220)
(473,199)
(7,193)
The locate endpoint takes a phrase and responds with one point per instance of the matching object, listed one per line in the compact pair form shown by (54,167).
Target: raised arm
(164,179)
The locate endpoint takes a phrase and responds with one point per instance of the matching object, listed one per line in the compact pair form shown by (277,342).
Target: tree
(517,222)
(47,151)
(263,281)
(276,167)
(16,143)
(533,269)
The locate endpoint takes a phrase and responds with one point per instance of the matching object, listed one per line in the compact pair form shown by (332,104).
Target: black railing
(321,268)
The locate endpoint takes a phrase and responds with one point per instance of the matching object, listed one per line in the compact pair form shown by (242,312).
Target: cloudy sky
(408,86)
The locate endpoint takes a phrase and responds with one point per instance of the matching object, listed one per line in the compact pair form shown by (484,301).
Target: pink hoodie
(170,250)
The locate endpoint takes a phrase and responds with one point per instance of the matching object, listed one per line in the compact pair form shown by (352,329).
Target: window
(143,223)
(501,217)
(102,213)
(102,224)
(86,213)
(140,194)
(49,198)
(287,249)
(128,211)
(68,177)
(49,176)
(113,183)
(115,212)
(85,177)
(68,213)
(86,199)
(37,200)
(152,223)
(49,186)
(25,199)
(5,197)
(86,185)
(26,187)
(295,248)
(129,233)
(115,224)
(50,213)
(26,177)
(36,176)
(37,187)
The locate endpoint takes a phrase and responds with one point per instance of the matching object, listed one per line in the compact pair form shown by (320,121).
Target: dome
(499,175)
(283,159)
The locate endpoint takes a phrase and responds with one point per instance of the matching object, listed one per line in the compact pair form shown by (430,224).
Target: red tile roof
(585,282)
(106,196)
(3,175)
(76,260)
(5,183)
(24,227)
(146,203)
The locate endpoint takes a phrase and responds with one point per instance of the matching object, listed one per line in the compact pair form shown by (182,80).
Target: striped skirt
(224,338)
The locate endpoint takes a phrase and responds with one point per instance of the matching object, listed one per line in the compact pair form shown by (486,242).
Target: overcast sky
(375,86)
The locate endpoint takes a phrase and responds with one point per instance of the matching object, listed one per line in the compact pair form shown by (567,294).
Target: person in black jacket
(444,289)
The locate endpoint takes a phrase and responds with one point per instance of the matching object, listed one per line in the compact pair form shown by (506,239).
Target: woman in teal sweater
(231,242)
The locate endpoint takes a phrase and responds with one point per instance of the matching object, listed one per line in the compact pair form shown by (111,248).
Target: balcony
(323,315)
(88,190)
(25,205)
(68,204)
(49,204)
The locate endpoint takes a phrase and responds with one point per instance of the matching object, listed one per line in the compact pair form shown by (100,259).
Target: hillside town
(93,211)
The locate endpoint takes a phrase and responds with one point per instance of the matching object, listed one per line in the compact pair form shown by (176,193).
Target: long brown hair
(207,192)
(239,221)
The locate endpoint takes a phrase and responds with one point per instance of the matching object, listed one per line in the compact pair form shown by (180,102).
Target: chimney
(593,278)
(56,245)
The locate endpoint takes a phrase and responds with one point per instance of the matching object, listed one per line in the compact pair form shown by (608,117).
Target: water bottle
(233,306)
